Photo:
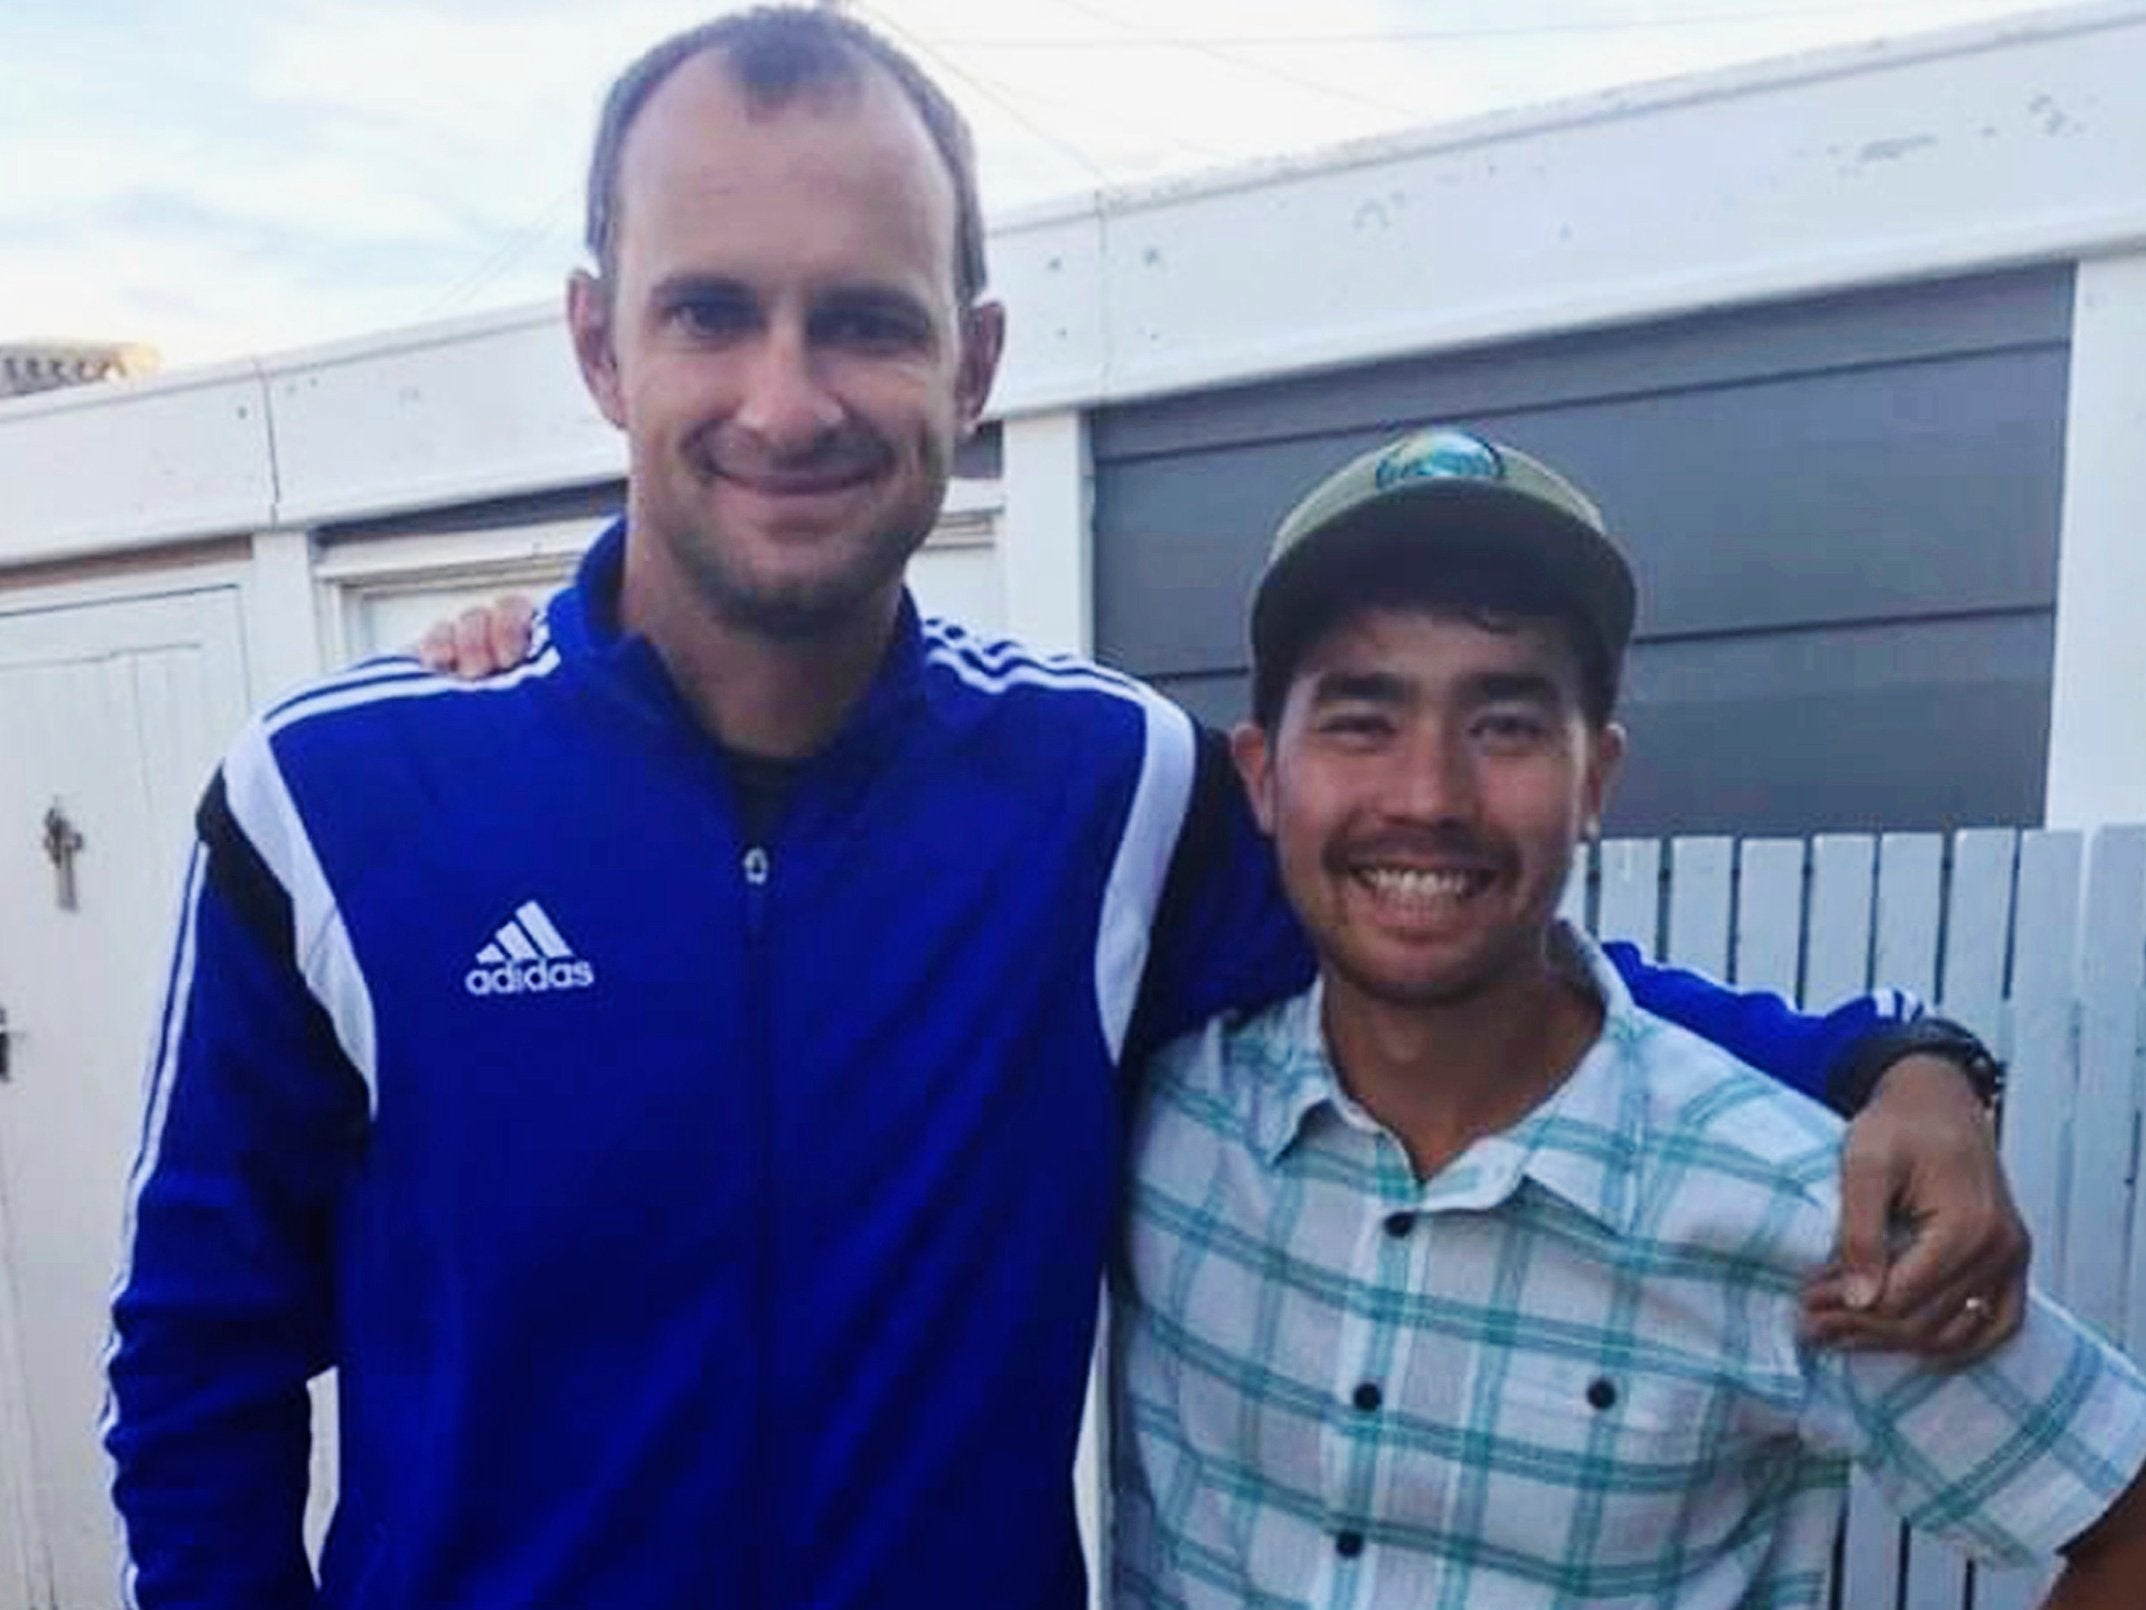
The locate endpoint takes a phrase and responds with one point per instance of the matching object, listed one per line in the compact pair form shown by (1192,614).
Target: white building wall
(1046,556)
(2097,719)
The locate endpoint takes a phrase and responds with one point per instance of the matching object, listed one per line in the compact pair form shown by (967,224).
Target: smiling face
(780,339)
(1425,784)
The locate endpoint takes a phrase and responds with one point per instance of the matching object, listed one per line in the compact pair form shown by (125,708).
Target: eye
(1511,729)
(711,316)
(869,327)
(1361,726)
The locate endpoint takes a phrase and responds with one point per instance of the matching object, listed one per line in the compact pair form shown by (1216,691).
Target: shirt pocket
(1573,1397)
(1598,1473)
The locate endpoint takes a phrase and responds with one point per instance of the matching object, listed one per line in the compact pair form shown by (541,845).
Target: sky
(224,178)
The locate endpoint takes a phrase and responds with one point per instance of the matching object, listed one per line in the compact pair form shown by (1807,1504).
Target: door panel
(114,714)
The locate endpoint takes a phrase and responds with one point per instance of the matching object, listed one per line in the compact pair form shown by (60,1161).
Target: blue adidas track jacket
(693,1222)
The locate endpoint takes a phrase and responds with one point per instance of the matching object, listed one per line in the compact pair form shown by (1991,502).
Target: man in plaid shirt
(1460,1280)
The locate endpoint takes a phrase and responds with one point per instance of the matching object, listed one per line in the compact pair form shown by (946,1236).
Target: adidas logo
(527,956)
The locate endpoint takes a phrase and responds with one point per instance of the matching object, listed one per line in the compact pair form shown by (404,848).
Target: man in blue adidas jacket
(677,1082)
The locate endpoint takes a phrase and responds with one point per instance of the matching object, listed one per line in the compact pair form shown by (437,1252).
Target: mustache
(1431,841)
(834,454)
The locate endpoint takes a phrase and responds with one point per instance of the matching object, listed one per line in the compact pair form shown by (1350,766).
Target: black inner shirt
(763,784)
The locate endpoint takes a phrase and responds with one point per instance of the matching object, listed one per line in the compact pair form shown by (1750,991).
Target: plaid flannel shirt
(1565,1370)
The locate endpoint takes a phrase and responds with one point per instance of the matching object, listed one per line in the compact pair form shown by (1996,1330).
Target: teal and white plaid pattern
(1564,1372)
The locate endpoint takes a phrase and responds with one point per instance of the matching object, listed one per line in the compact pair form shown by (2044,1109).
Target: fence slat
(2112,959)
(1910,882)
(1836,948)
(1978,924)
(2044,1071)
(1701,882)
(2042,1078)
(1631,898)
(1836,965)
(2110,1029)
(1910,876)
(1769,914)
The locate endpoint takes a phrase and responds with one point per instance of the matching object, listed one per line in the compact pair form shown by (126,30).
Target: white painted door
(113,714)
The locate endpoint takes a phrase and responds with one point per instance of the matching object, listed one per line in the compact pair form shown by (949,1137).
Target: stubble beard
(826,601)
(802,608)
(1514,959)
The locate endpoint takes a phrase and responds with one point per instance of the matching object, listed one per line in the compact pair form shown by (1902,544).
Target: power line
(879,19)
(1267,69)
(500,259)
(1146,133)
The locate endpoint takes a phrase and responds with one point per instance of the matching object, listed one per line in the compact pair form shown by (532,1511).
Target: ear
(588,318)
(983,338)
(1254,756)
(1605,759)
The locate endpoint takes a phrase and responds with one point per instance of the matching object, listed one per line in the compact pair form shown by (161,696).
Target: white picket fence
(2035,939)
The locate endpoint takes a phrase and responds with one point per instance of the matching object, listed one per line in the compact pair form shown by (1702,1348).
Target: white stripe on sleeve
(261,803)
(1142,864)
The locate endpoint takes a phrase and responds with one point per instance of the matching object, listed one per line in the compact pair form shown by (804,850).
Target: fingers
(437,647)
(480,641)
(1958,1336)
(1974,1333)
(1868,1182)
(1968,1241)
(1975,1306)
(509,635)
(473,644)
(1923,1156)
(1952,1260)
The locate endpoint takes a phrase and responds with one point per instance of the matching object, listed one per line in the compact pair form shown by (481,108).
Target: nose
(1432,779)
(786,405)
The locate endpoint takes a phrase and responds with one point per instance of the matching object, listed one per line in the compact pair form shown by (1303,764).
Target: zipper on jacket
(755,866)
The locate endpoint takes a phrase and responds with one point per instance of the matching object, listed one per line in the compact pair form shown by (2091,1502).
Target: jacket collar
(582,622)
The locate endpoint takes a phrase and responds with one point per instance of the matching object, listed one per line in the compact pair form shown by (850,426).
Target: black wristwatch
(1864,1063)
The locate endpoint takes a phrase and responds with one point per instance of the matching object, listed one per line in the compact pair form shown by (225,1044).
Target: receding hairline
(836,64)
(863,85)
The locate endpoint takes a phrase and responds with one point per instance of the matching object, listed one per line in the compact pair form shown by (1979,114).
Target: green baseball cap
(1434,492)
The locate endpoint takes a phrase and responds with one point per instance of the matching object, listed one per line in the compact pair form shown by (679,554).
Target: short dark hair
(1490,588)
(774,53)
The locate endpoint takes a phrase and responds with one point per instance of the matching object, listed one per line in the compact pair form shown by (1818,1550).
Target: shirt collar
(1583,1144)
(1298,1078)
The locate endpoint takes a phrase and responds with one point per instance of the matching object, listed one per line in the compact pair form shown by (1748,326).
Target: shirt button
(1348,1544)
(1602,1392)
(1368,1396)
(1399,1224)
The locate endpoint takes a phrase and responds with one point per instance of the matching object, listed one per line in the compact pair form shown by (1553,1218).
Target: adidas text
(526,978)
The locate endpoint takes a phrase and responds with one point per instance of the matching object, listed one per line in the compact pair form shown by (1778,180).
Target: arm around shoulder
(1224,938)
(1920,1151)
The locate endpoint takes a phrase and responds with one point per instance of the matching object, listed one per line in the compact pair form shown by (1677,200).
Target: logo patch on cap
(1437,456)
